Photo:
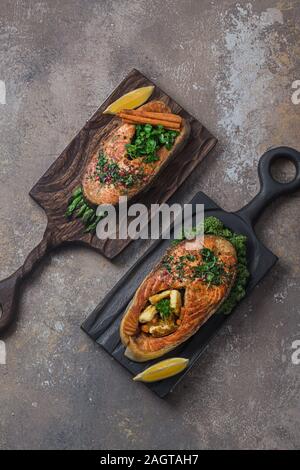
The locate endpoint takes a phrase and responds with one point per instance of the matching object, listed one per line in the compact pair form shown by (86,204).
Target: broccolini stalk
(77,191)
(82,210)
(73,205)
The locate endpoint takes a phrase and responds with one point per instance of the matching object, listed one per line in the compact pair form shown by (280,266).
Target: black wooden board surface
(103,324)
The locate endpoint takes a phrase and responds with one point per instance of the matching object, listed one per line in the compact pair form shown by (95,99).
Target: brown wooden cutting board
(53,190)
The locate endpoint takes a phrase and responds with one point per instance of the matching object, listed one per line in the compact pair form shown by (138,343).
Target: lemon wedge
(131,100)
(162,370)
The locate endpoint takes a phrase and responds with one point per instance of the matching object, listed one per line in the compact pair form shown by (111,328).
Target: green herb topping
(166,262)
(164,309)
(109,172)
(211,270)
(208,268)
(214,226)
(148,140)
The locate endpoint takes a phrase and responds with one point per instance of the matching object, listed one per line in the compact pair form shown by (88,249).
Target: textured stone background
(231,64)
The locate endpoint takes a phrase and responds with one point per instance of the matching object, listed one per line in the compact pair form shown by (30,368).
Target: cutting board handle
(10,287)
(270,189)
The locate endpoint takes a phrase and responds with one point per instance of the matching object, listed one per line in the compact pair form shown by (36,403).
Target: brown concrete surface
(231,64)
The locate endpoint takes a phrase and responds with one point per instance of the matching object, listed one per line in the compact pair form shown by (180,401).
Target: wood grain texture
(53,190)
(9,287)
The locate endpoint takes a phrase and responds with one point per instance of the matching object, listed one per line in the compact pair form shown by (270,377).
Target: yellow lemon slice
(163,370)
(131,100)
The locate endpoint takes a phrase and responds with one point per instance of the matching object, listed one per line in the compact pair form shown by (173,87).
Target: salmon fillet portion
(115,151)
(134,175)
(200,298)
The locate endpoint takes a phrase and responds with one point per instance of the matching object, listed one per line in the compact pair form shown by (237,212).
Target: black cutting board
(103,324)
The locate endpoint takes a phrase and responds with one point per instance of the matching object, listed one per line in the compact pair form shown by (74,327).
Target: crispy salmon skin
(134,175)
(178,296)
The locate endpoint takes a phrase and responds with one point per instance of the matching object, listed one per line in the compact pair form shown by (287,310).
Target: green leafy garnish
(214,226)
(188,257)
(148,140)
(211,270)
(166,262)
(109,172)
(164,309)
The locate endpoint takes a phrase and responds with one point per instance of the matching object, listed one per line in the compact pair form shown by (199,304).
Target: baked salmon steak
(132,155)
(180,294)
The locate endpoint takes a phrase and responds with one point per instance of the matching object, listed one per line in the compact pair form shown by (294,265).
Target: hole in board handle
(283,170)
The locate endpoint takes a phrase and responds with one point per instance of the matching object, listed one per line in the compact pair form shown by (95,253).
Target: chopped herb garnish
(164,309)
(166,262)
(211,270)
(108,172)
(188,257)
(148,140)
(214,226)
(180,269)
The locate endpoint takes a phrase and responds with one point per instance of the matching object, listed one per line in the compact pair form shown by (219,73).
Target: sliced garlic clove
(148,314)
(157,297)
(175,301)
(162,330)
